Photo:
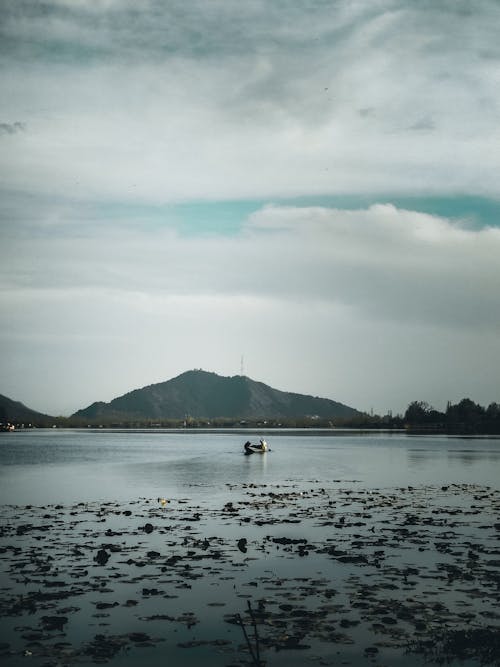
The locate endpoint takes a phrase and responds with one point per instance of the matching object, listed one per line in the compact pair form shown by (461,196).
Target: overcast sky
(311,185)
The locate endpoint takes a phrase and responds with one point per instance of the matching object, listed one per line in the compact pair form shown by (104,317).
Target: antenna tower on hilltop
(242,366)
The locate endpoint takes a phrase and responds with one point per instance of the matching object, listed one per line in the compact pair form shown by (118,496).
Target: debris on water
(447,645)
(371,570)
(102,557)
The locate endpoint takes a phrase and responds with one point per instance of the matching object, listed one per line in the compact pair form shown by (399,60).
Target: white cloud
(167,104)
(395,264)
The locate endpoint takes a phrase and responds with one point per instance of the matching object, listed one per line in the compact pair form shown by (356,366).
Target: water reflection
(469,456)
(425,457)
(211,473)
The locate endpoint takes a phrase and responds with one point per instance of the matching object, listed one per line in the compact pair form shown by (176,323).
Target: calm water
(50,466)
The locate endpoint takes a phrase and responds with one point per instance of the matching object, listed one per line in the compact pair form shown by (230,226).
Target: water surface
(44,466)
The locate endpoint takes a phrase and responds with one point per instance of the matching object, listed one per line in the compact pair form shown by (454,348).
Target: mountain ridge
(207,395)
(14,411)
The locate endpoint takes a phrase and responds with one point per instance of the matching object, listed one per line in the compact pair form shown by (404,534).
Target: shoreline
(267,431)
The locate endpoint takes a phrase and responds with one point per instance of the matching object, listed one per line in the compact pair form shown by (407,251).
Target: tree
(420,412)
(466,412)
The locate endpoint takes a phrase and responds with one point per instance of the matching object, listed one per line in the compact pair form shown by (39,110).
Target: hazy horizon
(287,390)
(311,185)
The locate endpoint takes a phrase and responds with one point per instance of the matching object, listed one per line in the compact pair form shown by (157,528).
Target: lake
(43,466)
(332,548)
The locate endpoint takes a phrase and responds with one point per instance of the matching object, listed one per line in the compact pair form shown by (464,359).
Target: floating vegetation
(479,644)
(274,575)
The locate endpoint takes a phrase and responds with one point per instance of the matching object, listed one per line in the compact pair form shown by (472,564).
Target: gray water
(64,466)
(422,512)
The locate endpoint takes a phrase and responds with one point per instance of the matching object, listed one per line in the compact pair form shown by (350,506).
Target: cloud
(177,101)
(423,125)
(389,263)
(12,128)
(385,262)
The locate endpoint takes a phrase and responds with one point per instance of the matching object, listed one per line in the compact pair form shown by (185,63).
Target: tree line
(462,417)
(465,417)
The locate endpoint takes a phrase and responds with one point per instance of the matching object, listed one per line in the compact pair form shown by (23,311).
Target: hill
(15,412)
(205,395)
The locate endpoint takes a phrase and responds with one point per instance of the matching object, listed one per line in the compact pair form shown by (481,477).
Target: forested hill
(15,412)
(205,395)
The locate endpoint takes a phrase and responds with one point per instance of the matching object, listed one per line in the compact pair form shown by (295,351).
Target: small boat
(7,427)
(261,448)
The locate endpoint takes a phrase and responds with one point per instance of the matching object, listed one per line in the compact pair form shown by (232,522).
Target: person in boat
(249,448)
